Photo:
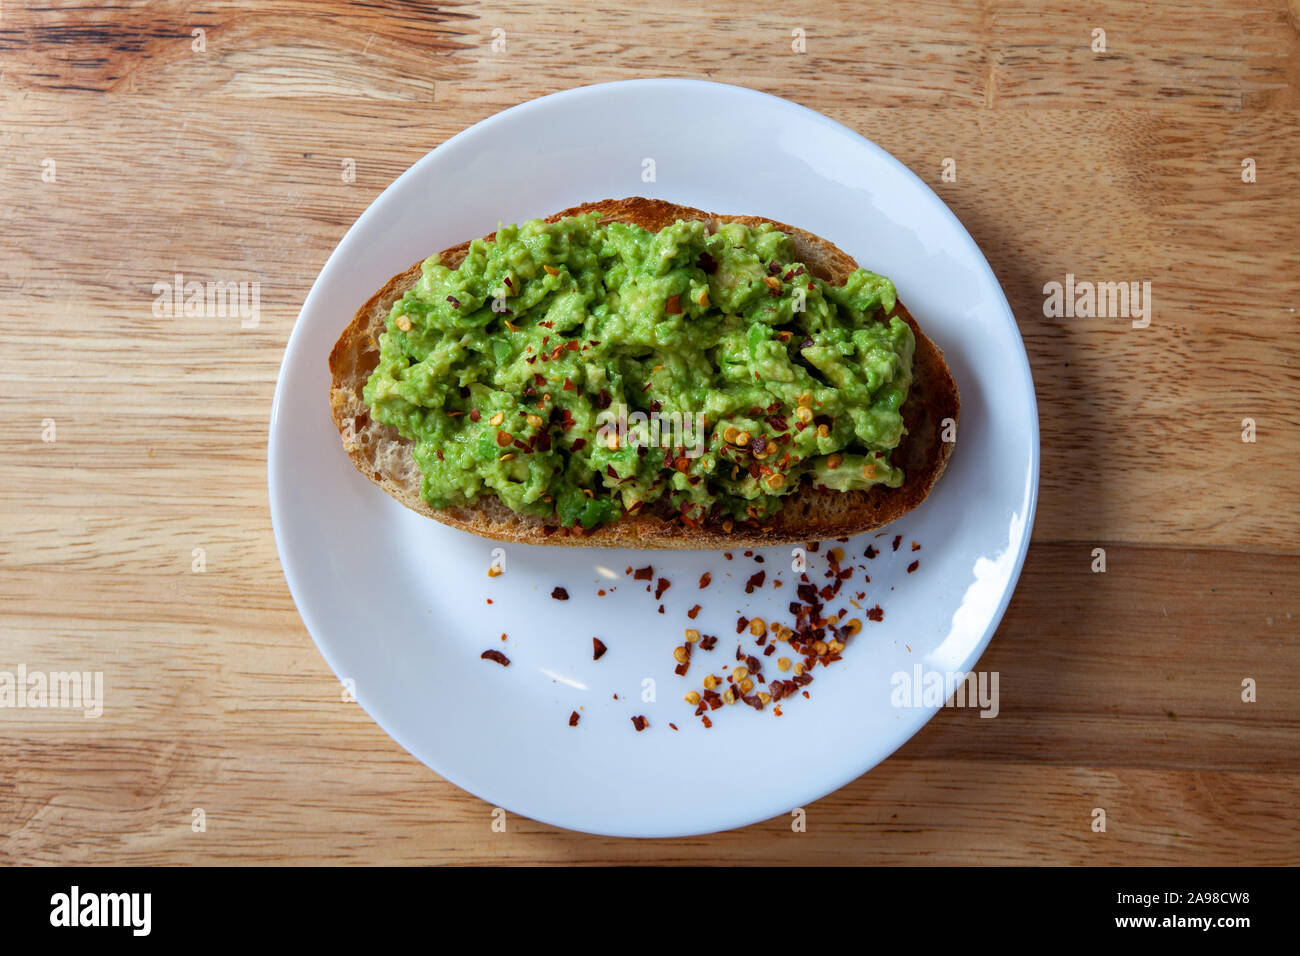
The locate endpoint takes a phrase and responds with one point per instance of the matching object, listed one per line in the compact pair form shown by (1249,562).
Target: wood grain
(1120,690)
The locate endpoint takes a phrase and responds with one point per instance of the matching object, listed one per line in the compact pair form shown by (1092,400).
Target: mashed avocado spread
(591,371)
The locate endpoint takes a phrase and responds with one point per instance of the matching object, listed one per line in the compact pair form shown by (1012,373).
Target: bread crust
(809,514)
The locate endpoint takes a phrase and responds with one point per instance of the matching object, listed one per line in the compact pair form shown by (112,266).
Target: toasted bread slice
(809,514)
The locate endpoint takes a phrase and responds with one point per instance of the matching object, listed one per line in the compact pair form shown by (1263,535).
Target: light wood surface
(1119,690)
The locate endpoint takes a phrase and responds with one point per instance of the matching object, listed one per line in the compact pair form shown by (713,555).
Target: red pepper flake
(915,546)
(493,655)
(661,587)
(755,581)
(455,303)
(474,415)
(693,611)
(560,594)
(568,384)
(705,580)
(573,719)
(578,444)
(644,574)
(913,566)
(742,622)
(673,726)
(673,306)
(876,614)
(504,438)
(897,541)
(640,723)
(598,648)
(707,642)
(707,723)
(870,552)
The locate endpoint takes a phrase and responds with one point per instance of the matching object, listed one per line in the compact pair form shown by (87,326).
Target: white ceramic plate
(398,603)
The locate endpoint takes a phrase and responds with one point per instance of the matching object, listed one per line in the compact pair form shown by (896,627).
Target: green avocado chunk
(589,371)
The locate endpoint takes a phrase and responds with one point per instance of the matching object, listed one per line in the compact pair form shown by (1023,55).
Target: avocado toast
(524,460)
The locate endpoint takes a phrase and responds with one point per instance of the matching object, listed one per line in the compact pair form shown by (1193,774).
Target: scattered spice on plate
(491,655)
(640,723)
(560,594)
(573,719)
(598,648)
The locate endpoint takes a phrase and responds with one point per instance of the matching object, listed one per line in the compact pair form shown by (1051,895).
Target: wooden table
(130,155)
